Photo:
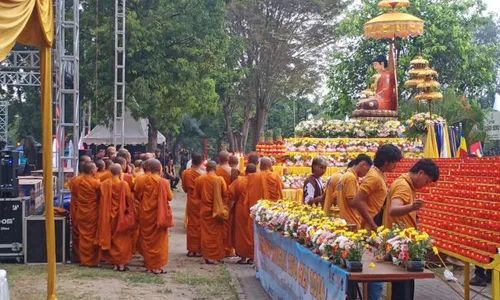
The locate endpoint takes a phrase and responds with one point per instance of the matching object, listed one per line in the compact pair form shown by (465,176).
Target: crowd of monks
(218,205)
(119,209)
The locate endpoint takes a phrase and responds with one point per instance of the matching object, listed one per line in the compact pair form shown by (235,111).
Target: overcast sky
(493,5)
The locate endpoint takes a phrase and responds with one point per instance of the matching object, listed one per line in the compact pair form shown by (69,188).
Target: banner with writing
(287,270)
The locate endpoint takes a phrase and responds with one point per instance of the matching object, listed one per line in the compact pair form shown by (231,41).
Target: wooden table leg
(388,295)
(352,291)
(365,290)
(466,281)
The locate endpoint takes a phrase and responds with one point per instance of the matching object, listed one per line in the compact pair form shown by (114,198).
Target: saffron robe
(226,173)
(263,185)
(153,234)
(193,240)
(241,233)
(211,190)
(73,186)
(88,194)
(116,199)
(103,175)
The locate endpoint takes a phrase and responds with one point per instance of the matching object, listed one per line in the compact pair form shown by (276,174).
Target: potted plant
(409,248)
(353,245)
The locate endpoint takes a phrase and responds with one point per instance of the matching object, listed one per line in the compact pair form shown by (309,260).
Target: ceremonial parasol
(392,25)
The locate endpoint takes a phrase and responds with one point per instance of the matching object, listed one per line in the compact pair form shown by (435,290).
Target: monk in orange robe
(124,175)
(224,170)
(73,187)
(101,167)
(234,162)
(88,197)
(155,217)
(125,154)
(111,152)
(263,185)
(239,223)
(211,190)
(116,220)
(106,173)
(189,176)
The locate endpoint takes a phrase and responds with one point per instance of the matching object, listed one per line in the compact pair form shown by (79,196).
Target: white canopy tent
(136,132)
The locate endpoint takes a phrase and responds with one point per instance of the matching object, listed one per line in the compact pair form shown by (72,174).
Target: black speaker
(9,167)
(36,250)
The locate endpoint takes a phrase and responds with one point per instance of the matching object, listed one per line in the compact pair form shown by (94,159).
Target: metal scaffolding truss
(21,68)
(119,91)
(4,119)
(66,66)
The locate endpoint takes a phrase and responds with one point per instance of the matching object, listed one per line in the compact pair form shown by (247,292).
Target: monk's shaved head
(211,166)
(265,163)
(122,162)
(154,165)
(89,167)
(108,163)
(148,156)
(84,158)
(125,154)
(223,157)
(138,163)
(142,156)
(253,158)
(110,151)
(116,169)
(196,159)
(251,168)
(100,164)
(234,161)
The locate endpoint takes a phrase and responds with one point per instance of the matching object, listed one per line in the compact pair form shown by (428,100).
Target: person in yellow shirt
(348,187)
(402,207)
(370,198)
(330,195)
(402,204)
(372,193)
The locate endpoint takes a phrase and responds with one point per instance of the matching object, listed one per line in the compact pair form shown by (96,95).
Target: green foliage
(462,47)
(174,49)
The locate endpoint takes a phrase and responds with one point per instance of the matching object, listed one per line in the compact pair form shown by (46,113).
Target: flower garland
(322,128)
(330,237)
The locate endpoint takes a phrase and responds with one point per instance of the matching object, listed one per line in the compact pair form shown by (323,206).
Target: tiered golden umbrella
(417,67)
(392,25)
(429,86)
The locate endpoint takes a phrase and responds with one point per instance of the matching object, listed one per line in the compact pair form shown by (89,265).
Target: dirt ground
(186,278)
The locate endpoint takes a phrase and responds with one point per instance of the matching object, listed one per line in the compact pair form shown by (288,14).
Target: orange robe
(211,190)
(153,235)
(193,240)
(226,173)
(103,175)
(116,247)
(263,185)
(241,234)
(87,213)
(73,186)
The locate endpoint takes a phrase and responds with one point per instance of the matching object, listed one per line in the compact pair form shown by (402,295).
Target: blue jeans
(375,290)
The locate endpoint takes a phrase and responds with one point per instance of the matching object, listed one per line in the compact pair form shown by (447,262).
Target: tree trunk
(229,129)
(245,129)
(260,122)
(152,135)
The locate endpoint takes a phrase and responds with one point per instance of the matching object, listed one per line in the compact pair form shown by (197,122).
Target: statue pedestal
(374,114)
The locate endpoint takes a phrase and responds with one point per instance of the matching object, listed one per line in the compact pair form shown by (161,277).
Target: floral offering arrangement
(330,237)
(340,146)
(306,160)
(356,128)
(417,124)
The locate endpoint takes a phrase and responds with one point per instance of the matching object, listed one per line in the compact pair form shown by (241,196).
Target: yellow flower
(435,250)
(371,265)
(362,231)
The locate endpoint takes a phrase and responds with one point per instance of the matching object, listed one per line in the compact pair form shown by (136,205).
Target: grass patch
(164,291)
(141,278)
(217,284)
(21,270)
